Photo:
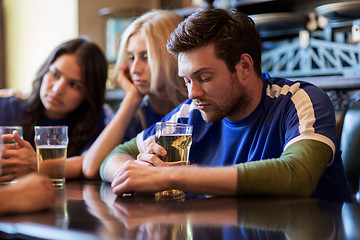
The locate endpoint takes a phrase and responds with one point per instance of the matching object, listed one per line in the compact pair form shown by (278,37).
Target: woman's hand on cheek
(124,80)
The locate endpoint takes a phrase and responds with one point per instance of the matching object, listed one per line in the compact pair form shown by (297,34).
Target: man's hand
(151,157)
(148,173)
(18,158)
(134,176)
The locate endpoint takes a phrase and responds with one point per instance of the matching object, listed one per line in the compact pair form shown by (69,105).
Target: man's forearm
(205,180)
(295,173)
(116,158)
(113,164)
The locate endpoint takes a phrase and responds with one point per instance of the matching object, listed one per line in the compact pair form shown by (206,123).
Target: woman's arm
(114,132)
(73,167)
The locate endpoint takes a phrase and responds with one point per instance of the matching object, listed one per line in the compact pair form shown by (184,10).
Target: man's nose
(195,90)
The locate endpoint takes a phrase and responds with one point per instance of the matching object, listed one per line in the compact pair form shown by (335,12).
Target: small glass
(51,149)
(357,195)
(1,146)
(176,138)
(10,130)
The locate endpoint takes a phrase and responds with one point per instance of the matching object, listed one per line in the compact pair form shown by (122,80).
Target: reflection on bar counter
(90,210)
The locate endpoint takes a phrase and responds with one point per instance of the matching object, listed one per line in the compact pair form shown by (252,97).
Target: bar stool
(350,147)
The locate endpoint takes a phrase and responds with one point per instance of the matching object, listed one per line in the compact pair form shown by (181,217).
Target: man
(253,134)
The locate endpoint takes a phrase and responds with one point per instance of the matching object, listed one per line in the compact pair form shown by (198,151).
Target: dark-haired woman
(69,89)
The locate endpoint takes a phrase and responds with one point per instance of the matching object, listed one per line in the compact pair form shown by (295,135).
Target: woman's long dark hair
(85,118)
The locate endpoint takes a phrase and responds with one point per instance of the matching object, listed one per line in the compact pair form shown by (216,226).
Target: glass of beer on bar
(10,130)
(51,149)
(176,138)
(1,146)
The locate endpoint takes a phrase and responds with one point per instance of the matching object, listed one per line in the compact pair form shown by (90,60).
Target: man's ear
(244,66)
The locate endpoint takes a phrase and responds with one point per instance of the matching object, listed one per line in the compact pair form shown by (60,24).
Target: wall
(32,30)
(93,25)
(2,48)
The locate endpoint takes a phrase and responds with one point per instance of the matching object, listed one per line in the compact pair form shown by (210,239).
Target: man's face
(215,90)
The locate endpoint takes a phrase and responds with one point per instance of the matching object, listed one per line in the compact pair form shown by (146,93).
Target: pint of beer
(10,130)
(176,138)
(51,148)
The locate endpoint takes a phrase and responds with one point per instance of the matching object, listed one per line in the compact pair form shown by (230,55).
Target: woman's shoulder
(11,93)
(10,98)
(12,104)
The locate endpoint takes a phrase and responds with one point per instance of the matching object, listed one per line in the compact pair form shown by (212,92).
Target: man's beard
(236,102)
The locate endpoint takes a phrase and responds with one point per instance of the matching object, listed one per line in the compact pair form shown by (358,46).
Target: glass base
(173,194)
(8,182)
(58,182)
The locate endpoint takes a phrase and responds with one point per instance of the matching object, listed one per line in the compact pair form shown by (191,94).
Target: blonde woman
(147,73)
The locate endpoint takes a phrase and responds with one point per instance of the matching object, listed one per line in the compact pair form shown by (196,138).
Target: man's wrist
(176,175)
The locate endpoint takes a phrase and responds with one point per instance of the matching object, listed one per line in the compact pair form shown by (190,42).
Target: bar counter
(90,210)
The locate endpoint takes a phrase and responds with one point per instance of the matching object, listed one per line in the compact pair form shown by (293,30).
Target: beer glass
(1,146)
(176,138)
(10,130)
(51,149)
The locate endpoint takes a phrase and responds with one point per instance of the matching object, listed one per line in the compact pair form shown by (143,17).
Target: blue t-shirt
(144,119)
(288,112)
(12,110)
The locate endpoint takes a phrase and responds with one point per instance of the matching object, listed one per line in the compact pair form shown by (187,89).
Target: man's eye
(205,77)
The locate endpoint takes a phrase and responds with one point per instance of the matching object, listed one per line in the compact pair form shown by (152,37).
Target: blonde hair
(156,26)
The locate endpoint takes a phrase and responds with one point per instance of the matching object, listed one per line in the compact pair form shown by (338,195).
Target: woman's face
(138,62)
(62,89)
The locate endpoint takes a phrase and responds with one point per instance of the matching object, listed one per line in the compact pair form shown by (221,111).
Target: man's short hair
(232,33)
